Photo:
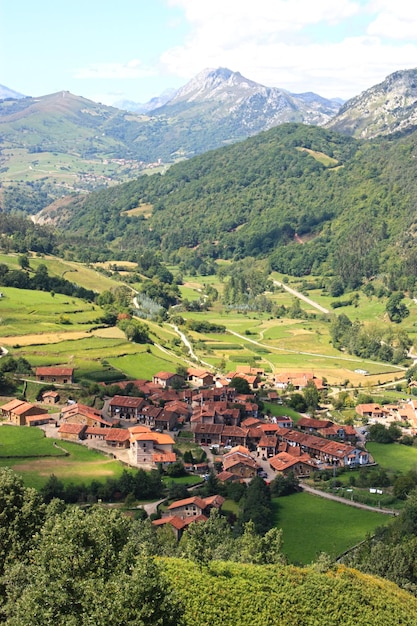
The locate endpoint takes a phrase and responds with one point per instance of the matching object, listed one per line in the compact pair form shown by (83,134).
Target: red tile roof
(126,401)
(72,429)
(117,434)
(188,501)
(54,371)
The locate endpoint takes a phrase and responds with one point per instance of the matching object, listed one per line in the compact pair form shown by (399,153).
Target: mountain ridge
(385,108)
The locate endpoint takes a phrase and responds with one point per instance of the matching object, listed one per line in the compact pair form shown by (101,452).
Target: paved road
(358,505)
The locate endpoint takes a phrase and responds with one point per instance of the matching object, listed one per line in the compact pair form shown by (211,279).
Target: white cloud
(393,20)
(293,43)
(131,69)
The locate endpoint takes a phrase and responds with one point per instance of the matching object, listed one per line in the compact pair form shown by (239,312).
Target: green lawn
(145,364)
(312,525)
(27,442)
(80,465)
(279,410)
(394,456)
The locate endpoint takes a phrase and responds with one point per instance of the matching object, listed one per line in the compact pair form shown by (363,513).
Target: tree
(297,402)
(240,384)
(380,434)
(311,396)
(135,331)
(23,261)
(84,570)
(396,309)
(257,506)
(206,541)
(22,514)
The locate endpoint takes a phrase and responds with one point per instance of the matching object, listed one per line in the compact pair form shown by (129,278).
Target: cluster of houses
(182,513)
(404,412)
(216,414)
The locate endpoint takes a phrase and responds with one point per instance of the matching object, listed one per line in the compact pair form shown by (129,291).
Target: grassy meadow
(394,457)
(29,453)
(312,525)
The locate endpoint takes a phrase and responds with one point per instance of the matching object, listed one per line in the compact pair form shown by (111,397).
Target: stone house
(63,375)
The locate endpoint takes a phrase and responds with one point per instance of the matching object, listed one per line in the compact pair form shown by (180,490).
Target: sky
(135,49)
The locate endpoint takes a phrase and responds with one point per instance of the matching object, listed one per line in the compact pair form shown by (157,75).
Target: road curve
(358,505)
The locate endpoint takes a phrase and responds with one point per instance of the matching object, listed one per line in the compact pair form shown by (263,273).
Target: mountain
(147,107)
(234,107)
(5,93)
(386,108)
(62,143)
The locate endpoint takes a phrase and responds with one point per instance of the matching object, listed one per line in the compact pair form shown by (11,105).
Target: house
(330,453)
(207,434)
(284,463)
(310,425)
(177,524)
(148,414)
(19,414)
(82,414)
(72,432)
(167,379)
(39,420)
(63,375)
(166,420)
(152,448)
(240,463)
(6,409)
(370,411)
(117,437)
(95,433)
(126,407)
(50,397)
(298,380)
(182,409)
(199,377)
(195,506)
(253,380)
(234,436)
(267,446)
(248,369)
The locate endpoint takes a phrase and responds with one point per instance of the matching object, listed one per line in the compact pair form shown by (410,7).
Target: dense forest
(305,198)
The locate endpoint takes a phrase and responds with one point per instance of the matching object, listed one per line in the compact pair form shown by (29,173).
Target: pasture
(394,456)
(78,273)
(25,312)
(29,453)
(312,525)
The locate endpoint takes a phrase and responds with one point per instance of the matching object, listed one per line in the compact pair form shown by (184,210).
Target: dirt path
(301,296)
(358,505)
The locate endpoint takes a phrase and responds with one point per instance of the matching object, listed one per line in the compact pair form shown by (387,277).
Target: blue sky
(134,49)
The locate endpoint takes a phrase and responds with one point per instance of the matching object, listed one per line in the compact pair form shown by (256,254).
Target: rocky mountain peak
(383,109)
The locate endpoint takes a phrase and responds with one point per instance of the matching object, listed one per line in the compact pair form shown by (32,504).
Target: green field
(312,525)
(35,458)
(79,273)
(394,456)
(144,364)
(29,442)
(25,312)
(279,410)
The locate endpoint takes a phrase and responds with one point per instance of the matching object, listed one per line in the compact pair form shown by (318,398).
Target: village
(240,441)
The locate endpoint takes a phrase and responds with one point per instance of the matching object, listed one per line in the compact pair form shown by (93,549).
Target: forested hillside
(64,565)
(298,195)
